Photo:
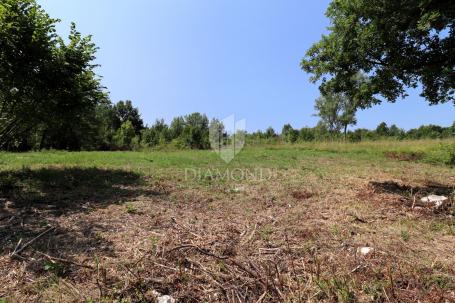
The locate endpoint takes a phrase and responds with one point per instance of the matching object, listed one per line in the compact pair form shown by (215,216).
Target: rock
(166,299)
(237,189)
(162,299)
(436,201)
(365,250)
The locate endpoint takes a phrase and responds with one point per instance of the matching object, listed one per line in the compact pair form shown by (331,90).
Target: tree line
(52,98)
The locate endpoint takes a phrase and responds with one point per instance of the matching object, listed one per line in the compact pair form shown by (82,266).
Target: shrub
(443,154)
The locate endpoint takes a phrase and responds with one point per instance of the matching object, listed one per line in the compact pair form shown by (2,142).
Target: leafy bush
(443,154)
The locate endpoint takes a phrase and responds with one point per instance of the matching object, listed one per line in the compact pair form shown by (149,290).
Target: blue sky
(219,57)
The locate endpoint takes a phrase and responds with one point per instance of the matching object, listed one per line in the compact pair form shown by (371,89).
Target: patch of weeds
(335,230)
(437,226)
(439,281)
(375,290)
(154,243)
(265,232)
(444,154)
(451,227)
(222,266)
(405,235)
(47,283)
(55,268)
(131,209)
(338,289)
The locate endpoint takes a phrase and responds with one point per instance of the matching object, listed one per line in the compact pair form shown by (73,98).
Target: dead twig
(185,228)
(20,249)
(53,259)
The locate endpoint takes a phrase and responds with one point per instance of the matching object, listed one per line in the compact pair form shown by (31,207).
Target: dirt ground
(117,236)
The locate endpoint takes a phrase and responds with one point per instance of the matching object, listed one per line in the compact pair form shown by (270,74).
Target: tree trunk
(345,132)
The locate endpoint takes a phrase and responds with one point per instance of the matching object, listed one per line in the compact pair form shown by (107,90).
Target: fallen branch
(20,248)
(52,259)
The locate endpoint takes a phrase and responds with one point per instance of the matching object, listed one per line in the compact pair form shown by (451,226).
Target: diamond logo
(227,137)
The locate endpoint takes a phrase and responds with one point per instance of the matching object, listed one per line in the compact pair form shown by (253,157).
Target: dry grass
(122,235)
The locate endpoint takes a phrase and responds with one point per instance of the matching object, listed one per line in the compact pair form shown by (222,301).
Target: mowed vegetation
(122,225)
(299,216)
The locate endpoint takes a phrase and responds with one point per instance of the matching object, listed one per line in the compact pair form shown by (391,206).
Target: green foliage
(131,209)
(397,43)
(270,133)
(442,153)
(54,268)
(337,289)
(405,235)
(124,135)
(289,134)
(123,112)
(49,90)
(382,130)
(336,111)
(307,134)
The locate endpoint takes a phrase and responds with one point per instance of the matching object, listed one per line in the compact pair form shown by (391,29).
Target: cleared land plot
(128,223)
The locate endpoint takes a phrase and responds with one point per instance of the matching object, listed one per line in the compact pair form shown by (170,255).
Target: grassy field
(278,224)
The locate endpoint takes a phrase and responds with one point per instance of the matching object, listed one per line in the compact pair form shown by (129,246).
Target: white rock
(155,293)
(166,299)
(238,189)
(436,200)
(365,250)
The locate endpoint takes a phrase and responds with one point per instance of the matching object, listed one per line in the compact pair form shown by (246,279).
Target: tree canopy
(396,43)
(48,87)
(336,111)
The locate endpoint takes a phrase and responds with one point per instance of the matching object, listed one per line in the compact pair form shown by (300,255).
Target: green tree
(125,111)
(48,88)
(27,44)
(336,111)
(382,130)
(177,126)
(397,43)
(270,133)
(158,134)
(289,134)
(396,132)
(195,134)
(306,134)
(125,135)
(217,134)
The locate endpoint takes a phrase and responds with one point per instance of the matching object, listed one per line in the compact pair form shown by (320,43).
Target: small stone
(438,201)
(237,189)
(365,250)
(166,299)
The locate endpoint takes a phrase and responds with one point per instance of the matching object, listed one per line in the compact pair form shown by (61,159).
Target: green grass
(275,156)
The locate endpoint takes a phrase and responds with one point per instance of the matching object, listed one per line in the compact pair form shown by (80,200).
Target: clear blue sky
(219,57)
